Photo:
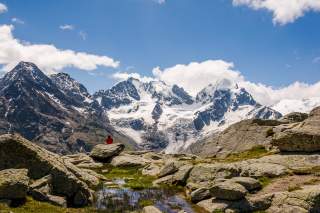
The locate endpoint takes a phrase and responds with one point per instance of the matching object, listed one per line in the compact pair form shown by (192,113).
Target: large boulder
(14,183)
(228,191)
(104,152)
(67,180)
(299,137)
(151,209)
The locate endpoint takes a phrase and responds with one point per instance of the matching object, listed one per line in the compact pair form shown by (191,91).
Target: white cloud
(17,20)
(3,8)
(66,27)
(83,35)
(284,11)
(48,57)
(195,76)
(122,76)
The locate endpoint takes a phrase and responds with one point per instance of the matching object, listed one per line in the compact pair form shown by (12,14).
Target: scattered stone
(250,184)
(151,209)
(200,194)
(13,183)
(228,191)
(164,180)
(128,160)
(168,169)
(213,206)
(103,152)
(57,201)
(151,169)
(181,176)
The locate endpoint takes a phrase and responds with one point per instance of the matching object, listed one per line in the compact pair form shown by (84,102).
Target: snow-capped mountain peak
(161,116)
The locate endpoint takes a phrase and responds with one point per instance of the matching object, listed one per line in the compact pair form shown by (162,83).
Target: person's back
(109,140)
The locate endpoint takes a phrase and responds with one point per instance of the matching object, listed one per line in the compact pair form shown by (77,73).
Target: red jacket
(109,140)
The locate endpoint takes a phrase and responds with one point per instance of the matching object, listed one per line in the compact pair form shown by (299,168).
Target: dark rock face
(56,113)
(180,92)
(157,111)
(137,124)
(120,94)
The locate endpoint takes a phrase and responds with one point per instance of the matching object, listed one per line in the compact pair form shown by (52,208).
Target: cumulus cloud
(17,20)
(195,76)
(284,11)
(66,27)
(3,8)
(122,76)
(48,57)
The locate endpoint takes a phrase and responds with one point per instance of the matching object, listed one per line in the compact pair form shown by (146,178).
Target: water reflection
(125,200)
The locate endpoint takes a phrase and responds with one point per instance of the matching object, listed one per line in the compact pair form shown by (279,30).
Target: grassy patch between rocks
(144,203)
(264,181)
(32,206)
(132,176)
(255,152)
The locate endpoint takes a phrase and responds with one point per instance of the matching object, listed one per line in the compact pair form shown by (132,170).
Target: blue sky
(144,34)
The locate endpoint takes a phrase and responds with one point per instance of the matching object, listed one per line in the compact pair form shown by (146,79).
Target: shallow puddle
(125,200)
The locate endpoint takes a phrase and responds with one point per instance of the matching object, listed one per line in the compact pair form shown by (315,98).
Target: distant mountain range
(160,116)
(59,114)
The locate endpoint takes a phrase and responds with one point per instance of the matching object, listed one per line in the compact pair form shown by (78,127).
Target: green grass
(264,181)
(133,177)
(255,152)
(144,203)
(32,206)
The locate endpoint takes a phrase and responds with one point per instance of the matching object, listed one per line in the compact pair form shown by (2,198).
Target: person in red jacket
(109,140)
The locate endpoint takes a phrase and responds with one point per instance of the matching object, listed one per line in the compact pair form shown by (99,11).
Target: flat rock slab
(129,160)
(104,152)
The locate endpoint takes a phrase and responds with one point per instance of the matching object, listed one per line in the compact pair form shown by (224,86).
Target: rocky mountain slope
(55,112)
(159,116)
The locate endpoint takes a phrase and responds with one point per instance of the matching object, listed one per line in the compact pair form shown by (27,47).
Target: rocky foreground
(280,176)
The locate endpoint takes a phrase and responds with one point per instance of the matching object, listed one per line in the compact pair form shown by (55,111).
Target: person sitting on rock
(109,140)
